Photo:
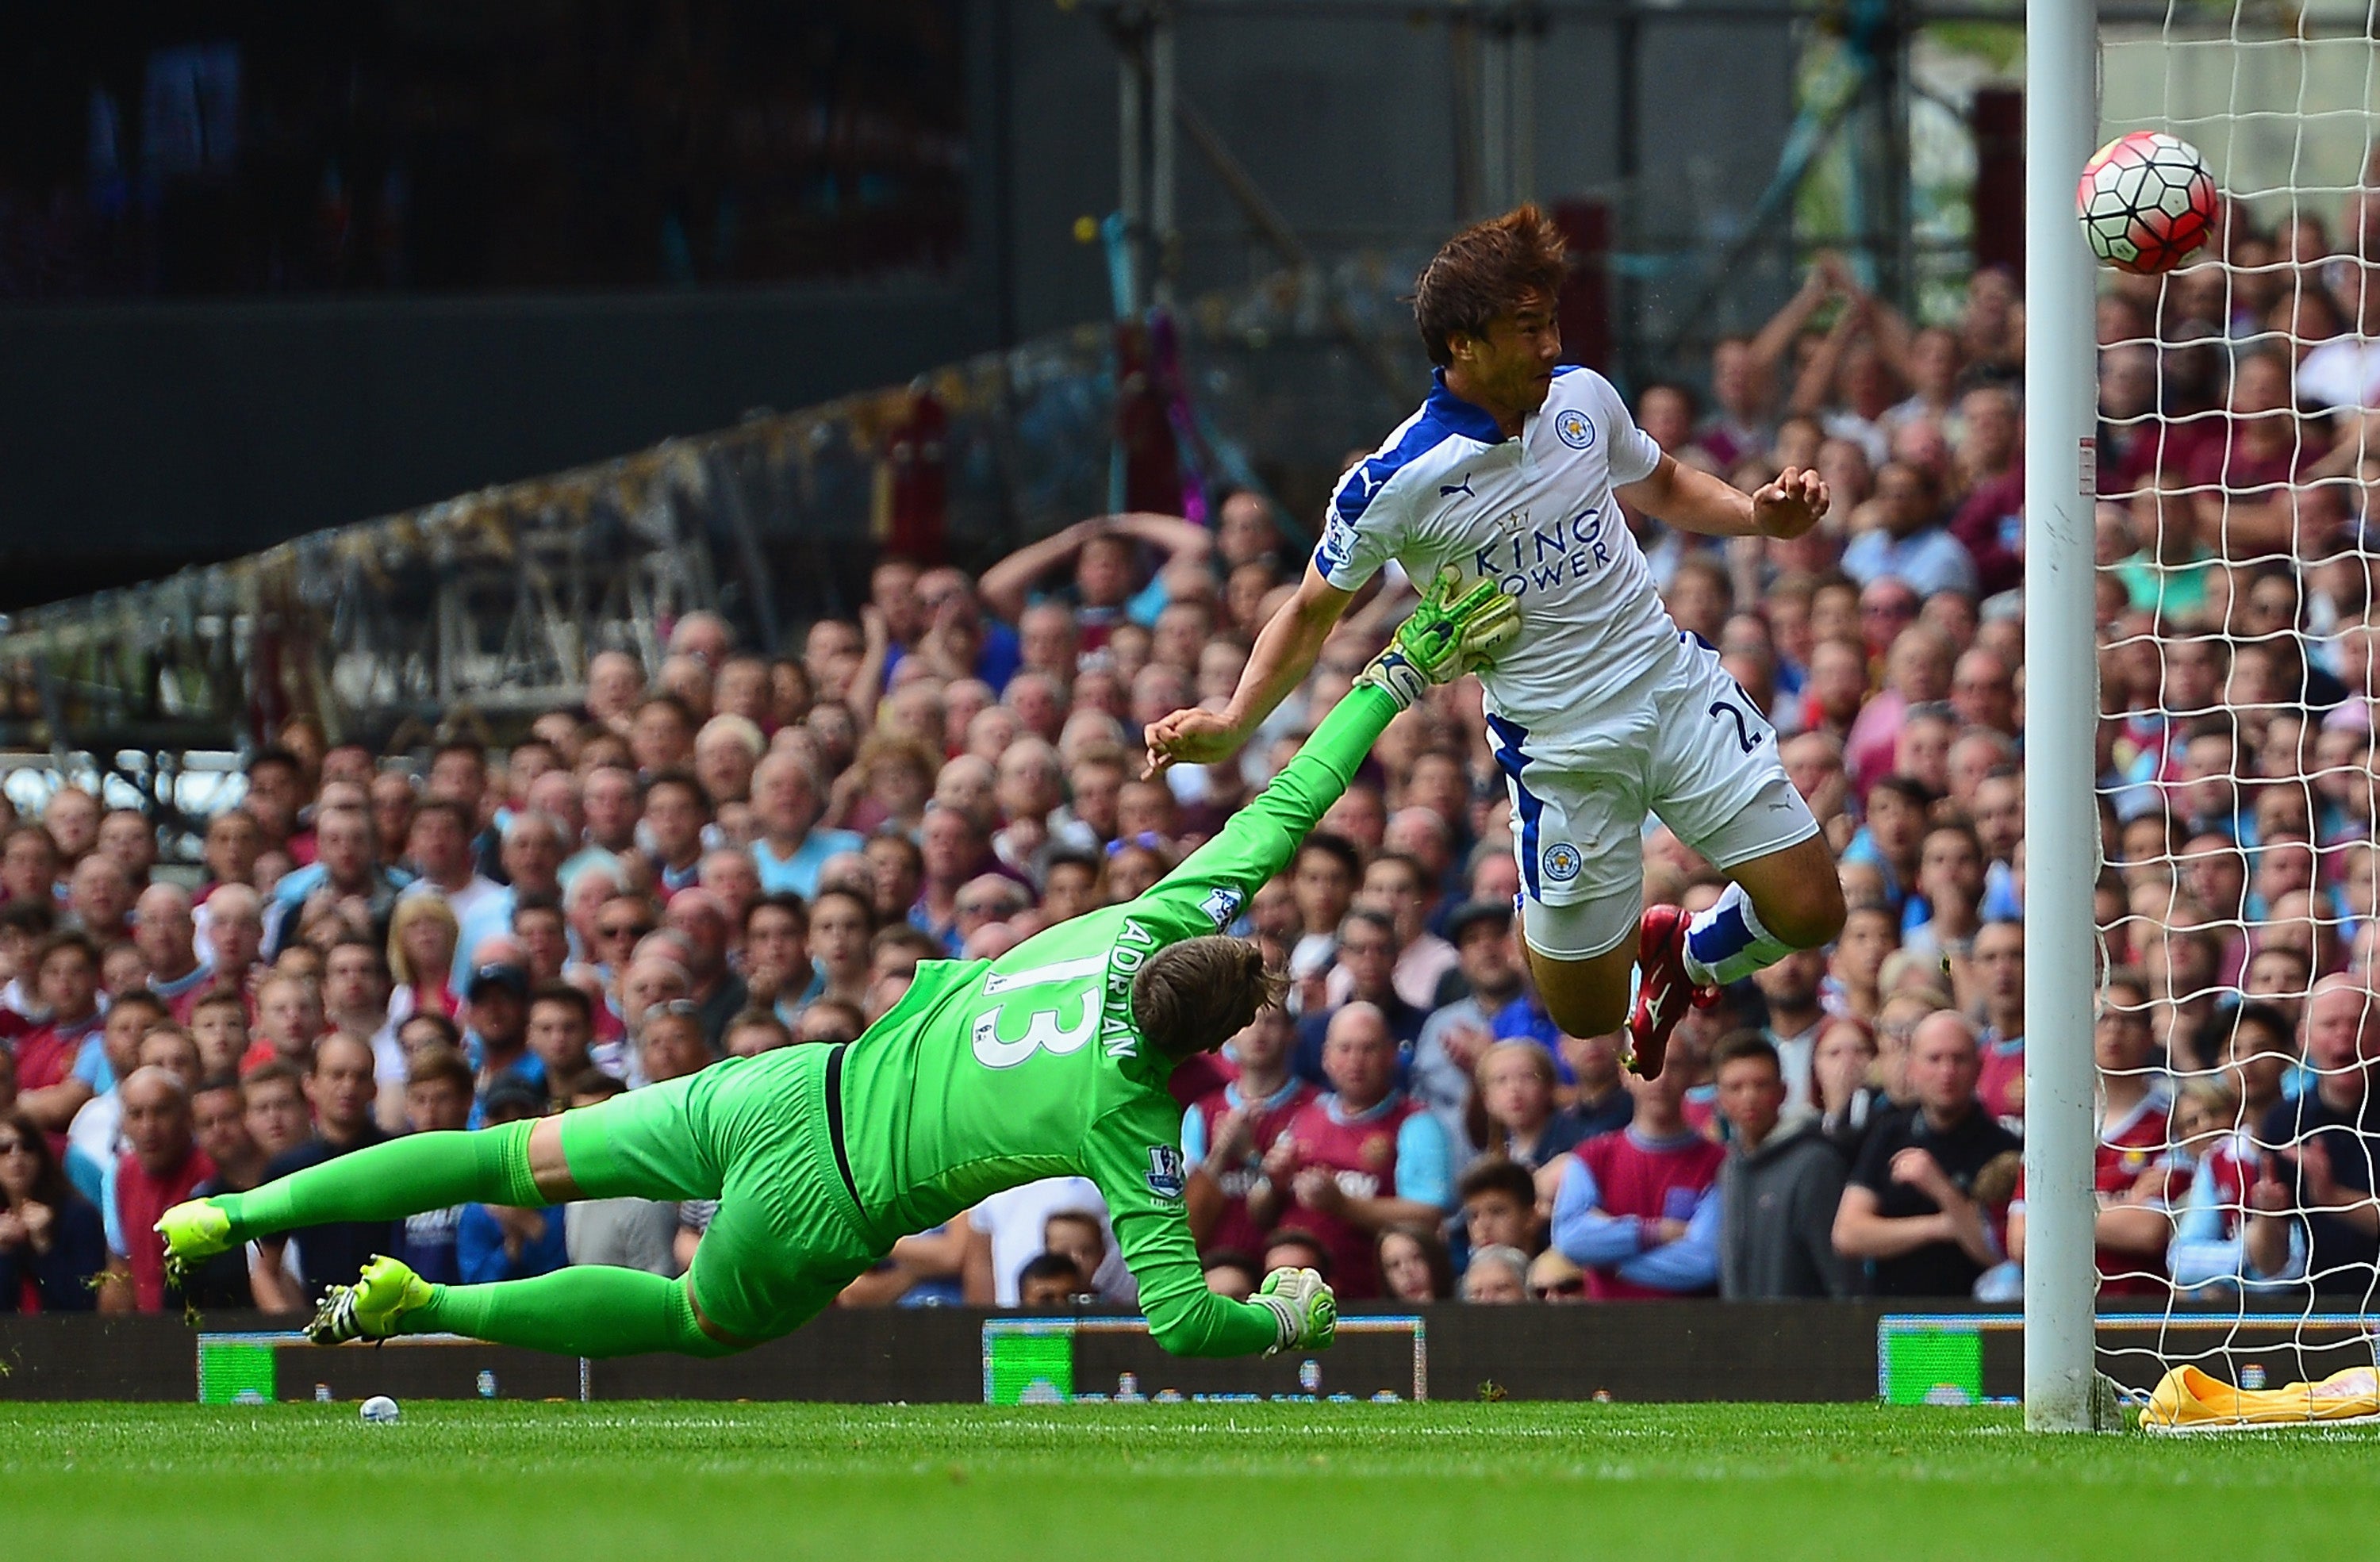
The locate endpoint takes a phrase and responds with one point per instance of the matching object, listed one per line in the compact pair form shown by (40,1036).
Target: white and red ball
(2146,201)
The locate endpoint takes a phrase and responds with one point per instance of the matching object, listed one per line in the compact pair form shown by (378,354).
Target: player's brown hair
(1482,271)
(1194,996)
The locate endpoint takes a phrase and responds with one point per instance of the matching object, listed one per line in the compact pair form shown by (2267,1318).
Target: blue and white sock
(1727,943)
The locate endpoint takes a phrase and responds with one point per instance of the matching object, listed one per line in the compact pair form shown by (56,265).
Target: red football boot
(1664,991)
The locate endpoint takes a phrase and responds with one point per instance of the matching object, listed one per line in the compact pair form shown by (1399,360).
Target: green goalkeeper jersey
(991,1074)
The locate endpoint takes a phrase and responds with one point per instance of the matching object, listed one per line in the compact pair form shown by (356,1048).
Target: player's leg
(593,1310)
(586,1310)
(1785,899)
(640,1145)
(776,1254)
(773,1257)
(1720,785)
(783,1243)
(1717,782)
(786,1239)
(1582,959)
(644,1150)
(388,1181)
(1575,839)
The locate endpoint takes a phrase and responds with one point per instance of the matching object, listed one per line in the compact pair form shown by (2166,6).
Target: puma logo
(1463,488)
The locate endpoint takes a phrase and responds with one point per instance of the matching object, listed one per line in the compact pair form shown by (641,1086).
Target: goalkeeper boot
(370,1309)
(194,1232)
(1664,990)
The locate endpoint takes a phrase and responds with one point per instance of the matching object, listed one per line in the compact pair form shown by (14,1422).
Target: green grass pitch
(1209,1482)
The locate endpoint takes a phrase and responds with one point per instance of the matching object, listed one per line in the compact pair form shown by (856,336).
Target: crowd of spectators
(733,851)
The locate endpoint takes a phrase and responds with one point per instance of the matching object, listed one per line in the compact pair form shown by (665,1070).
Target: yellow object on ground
(2189,1400)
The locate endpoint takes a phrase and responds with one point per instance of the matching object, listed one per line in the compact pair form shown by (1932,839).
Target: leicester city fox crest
(1575,427)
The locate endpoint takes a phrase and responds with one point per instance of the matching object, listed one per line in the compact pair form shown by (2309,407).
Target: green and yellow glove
(1304,1307)
(1444,638)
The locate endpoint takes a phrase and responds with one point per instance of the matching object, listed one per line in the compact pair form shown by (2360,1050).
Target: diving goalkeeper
(1051,1061)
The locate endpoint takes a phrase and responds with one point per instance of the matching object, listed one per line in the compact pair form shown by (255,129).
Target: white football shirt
(1537,514)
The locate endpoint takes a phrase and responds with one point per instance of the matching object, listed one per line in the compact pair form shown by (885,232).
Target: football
(2146,201)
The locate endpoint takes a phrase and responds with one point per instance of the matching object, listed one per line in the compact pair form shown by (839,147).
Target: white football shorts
(1684,743)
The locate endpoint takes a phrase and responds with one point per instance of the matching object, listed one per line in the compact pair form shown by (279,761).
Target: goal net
(2238,460)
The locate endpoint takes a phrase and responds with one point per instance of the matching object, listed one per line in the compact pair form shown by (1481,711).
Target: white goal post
(2061,821)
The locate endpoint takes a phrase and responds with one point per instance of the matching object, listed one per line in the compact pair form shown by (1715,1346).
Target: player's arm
(1693,499)
(1126,1154)
(1445,637)
(1259,840)
(1285,653)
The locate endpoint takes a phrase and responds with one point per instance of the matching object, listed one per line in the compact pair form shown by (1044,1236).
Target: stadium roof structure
(489,601)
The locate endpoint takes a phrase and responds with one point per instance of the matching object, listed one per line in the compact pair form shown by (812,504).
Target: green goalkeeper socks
(420,1171)
(585,1311)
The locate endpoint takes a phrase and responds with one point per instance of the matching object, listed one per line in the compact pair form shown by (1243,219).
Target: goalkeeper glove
(1444,638)
(1302,1307)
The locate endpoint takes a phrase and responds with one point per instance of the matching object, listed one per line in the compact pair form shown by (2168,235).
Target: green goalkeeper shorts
(757,1135)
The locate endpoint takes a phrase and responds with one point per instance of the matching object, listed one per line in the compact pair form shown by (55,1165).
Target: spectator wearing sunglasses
(986,899)
(1553,1278)
(623,920)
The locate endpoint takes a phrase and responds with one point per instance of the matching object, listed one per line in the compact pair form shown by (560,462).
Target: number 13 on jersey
(1045,1029)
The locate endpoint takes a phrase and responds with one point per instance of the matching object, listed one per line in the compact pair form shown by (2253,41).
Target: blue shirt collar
(1467,418)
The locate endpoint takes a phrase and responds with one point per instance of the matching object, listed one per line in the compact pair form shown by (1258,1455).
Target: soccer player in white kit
(1604,708)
